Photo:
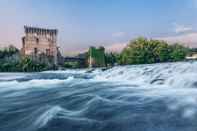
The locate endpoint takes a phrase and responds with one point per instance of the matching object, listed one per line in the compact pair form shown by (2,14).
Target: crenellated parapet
(40,31)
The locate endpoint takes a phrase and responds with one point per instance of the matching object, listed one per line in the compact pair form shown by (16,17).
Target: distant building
(40,44)
(96,57)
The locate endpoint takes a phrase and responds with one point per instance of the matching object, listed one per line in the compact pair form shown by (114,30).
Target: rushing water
(160,97)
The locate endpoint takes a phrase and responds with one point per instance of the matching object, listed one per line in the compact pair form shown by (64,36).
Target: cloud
(116,47)
(181,28)
(189,39)
(185,35)
(119,34)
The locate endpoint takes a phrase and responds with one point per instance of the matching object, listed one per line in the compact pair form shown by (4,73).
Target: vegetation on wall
(98,56)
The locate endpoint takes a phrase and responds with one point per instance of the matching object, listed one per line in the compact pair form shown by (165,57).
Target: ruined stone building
(40,43)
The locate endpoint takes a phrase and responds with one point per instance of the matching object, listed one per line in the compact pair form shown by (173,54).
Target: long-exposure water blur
(158,97)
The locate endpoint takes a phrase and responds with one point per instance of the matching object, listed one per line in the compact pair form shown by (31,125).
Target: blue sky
(111,23)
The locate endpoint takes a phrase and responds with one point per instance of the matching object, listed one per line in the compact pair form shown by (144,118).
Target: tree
(178,52)
(139,51)
(144,51)
(162,51)
(110,59)
(28,65)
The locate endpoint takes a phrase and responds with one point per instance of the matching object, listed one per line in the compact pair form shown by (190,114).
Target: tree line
(145,51)
(11,61)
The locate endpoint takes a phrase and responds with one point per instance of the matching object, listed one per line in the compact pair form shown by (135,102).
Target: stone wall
(39,41)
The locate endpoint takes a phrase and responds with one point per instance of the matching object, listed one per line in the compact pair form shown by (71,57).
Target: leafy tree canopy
(144,51)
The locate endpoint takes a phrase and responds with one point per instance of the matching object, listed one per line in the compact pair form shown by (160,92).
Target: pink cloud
(116,47)
(189,39)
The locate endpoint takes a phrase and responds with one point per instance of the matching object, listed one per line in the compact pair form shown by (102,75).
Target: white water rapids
(157,97)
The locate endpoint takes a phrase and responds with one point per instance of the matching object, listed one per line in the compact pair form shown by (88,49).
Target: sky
(109,23)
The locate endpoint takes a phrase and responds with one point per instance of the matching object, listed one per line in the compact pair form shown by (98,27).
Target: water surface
(160,97)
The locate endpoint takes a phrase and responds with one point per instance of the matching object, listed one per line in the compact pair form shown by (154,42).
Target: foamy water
(159,97)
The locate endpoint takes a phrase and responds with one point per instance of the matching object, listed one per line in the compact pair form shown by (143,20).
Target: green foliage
(110,59)
(8,51)
(118,58)
(72,65)
(162,51)
(143,51)
(178,52)
(25,65)
(9,67)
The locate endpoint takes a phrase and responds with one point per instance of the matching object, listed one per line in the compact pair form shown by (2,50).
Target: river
(157,97)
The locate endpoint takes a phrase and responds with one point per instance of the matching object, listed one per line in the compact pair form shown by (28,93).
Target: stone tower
(40,41)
